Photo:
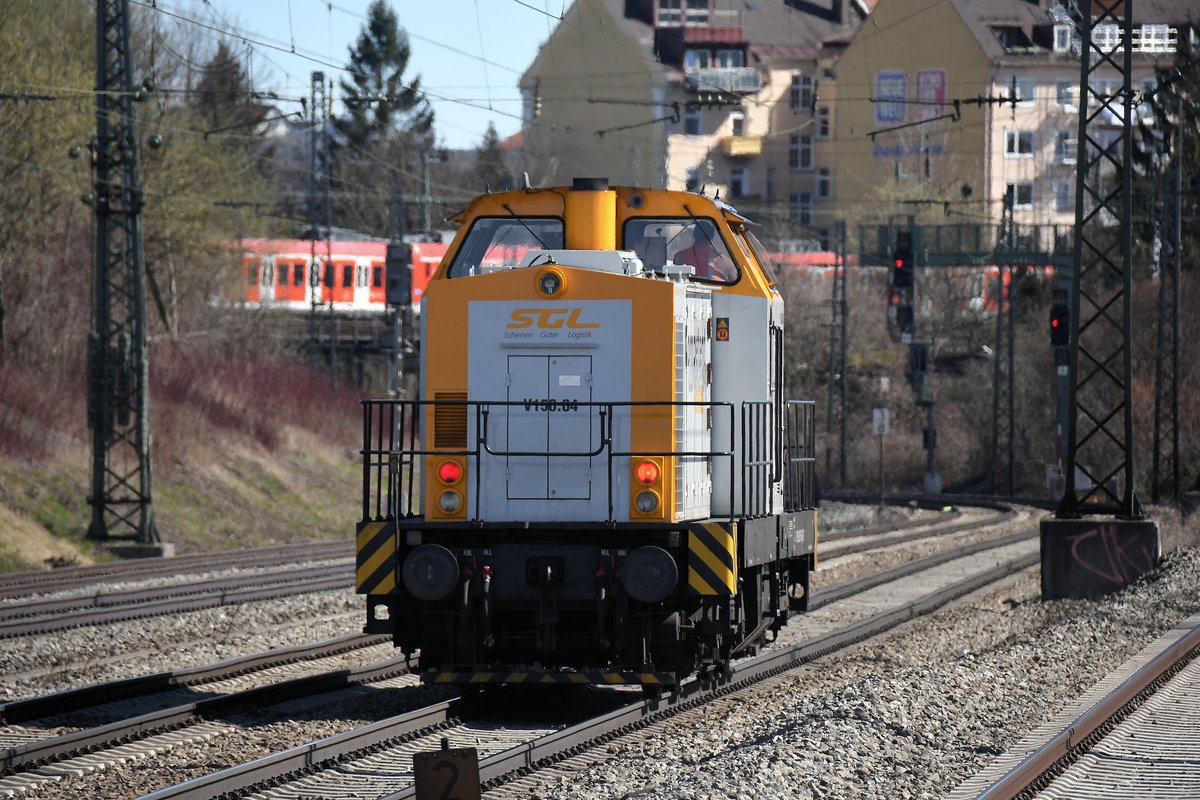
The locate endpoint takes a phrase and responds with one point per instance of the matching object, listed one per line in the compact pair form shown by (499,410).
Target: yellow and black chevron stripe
(712,559)
(609,678)
(375,565)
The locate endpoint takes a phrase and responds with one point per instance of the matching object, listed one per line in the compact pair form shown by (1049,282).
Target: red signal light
(449,472)
(646,472)
(1053,323)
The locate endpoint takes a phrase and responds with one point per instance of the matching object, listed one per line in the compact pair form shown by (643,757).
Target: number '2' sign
(447,774)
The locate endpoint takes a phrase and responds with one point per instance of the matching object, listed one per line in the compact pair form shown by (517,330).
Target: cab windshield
(497,243)
(689,241)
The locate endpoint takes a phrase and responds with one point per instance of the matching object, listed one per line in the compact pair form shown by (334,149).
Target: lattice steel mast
(1099,434)
(118,357)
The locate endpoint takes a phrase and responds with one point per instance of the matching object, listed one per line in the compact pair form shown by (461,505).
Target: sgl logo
(548,318)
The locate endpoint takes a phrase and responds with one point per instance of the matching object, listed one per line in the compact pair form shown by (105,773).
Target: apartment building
(976,101)
(727,95)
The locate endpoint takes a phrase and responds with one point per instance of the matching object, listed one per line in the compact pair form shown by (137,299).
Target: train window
(347,275)
(693,241)
(297,274)
(329,275)
(503,242)
(283,275)
(377,276)
(251,273)
(760,253)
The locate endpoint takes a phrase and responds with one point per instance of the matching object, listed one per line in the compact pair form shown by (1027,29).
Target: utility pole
(118,357)
(836,384)
(1077,550)
(1004,361)
(1166,479)
(317,277)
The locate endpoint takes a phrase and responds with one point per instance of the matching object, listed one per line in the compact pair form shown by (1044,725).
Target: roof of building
(773,29)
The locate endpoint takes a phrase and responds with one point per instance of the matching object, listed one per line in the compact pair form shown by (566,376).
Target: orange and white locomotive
(600,479)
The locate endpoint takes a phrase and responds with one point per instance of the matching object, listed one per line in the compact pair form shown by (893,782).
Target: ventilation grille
(450,421)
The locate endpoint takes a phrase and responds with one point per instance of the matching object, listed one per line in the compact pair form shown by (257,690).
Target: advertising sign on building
(931,93)
(891,90)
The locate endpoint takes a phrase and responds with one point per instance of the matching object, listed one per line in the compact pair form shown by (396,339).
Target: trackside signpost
(880,426)
(447,774)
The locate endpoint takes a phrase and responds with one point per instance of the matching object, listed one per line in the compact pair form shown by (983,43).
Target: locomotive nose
(649,574)
(430,572)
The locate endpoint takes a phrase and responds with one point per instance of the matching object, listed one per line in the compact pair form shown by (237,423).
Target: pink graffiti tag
(1122,566)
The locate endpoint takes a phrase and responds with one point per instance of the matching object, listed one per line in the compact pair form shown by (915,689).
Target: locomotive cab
(600,479)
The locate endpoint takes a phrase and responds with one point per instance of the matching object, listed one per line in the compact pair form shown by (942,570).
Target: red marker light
(646,472)
(449,472)
(899,264)
(1053,323)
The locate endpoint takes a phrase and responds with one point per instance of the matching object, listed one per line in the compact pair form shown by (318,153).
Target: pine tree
(376,93)
(224,96)
(489,164)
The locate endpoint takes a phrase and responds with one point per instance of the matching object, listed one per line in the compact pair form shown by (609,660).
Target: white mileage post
(881,425)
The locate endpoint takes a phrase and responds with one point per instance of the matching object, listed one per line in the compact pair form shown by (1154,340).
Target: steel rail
(48,751)
(1081,734)
(824,597)
(871,530)
(23,626)
(494,770)
(150,593)
(946,530)
(18,711)
(27,582)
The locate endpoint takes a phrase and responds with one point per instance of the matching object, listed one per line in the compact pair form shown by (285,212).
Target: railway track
(187,721)
(55,614)
(30,582)
(47,731)
(371,761)
(1135,732)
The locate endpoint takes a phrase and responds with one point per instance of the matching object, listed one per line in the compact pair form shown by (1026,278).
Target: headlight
(430,572)
(647,502)
(649,574)
(449,501)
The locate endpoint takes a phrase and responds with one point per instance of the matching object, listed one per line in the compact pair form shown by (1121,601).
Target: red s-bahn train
(350,275)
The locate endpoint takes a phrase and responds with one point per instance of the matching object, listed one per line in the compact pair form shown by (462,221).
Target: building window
(1064,95)
(695,13)
(1062,196)
(691,122)
(801,204)
(1156,39)
(823,121)
(1024,90)
(729,59)
(738,123)
(692,183)
(824,184)
(696,59)
(1018,144)
(1107,37)
(801,94)
(1066,147)
(1062,37)
(800,153)
(739,182)
(670,13)
(1020,195)
(770,183)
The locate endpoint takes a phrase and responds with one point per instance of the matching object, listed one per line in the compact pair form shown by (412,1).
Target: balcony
(724,79)
(742,146)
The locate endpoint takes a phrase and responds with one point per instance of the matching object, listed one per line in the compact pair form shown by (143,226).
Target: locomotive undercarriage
(525,601)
